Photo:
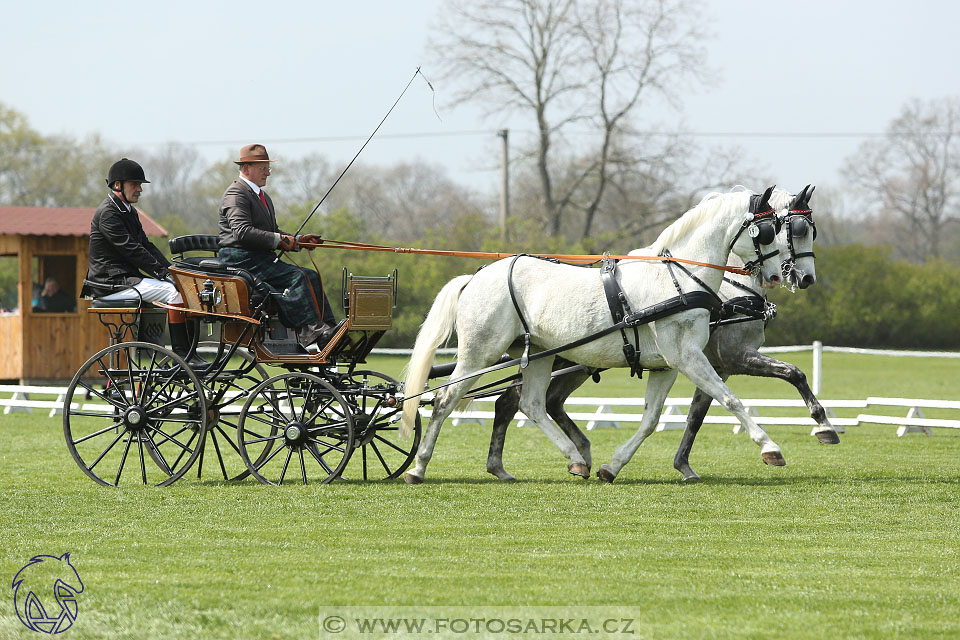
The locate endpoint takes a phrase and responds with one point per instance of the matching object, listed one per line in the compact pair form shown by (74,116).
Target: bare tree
(570,64)
(912,175)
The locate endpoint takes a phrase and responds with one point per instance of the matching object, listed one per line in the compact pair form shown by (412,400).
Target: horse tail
(433,332)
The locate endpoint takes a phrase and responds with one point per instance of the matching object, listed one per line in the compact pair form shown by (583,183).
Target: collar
(256,189)
(121,203)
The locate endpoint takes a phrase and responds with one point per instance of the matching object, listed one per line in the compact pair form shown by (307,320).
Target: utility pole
(504,184)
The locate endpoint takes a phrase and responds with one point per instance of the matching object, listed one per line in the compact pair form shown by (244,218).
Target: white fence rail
(816,347)
(614,412)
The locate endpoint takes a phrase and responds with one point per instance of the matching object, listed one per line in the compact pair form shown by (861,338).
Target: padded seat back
(198,242)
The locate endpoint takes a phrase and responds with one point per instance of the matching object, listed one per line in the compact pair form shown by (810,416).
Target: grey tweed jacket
(244,222)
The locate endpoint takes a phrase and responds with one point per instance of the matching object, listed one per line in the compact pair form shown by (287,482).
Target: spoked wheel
(132,402)
(384,454)
(226,392)
(295,427)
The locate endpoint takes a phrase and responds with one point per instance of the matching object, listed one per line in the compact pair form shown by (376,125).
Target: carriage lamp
(210,296)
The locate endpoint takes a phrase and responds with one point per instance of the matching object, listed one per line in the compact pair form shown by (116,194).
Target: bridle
(762,226)
(799,221)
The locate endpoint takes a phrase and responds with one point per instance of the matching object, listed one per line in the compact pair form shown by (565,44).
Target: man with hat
(249,235)
(121,254)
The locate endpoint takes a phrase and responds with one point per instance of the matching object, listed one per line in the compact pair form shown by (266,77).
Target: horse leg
(694,365)
(506,407)
(698,411)
(557,393)
(658,386)
(443,406)
(536,379)
(508,404)
(758,364)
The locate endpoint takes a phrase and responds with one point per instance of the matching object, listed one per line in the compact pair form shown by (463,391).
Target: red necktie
(263,199)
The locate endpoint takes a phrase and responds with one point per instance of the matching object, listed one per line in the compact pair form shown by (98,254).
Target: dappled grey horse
(733,349)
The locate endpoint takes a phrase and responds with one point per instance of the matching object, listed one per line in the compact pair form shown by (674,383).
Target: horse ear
(810,192)
(765,199)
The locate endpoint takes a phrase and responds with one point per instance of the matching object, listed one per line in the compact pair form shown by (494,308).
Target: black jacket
(120,252)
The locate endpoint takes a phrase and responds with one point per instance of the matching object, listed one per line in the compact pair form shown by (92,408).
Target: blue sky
(220,74)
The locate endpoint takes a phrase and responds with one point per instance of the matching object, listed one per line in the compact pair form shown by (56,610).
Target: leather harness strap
(620,308)
(525,358)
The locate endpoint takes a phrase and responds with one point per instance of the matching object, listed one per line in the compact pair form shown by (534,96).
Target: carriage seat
(256,288)
(123,303)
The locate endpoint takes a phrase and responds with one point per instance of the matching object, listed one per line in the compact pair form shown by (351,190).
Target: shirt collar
(255,188)
(120,202)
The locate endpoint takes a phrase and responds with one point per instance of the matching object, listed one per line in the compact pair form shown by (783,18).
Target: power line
(495,132)
(772,135)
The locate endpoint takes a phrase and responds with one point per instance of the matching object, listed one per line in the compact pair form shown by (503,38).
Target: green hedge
(863,298)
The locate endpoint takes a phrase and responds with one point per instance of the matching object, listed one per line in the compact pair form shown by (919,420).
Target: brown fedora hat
(253,153)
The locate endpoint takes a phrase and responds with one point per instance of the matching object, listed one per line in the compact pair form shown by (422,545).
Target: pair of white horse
(562,304)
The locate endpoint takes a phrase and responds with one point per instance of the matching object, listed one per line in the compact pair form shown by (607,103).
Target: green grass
(855,540)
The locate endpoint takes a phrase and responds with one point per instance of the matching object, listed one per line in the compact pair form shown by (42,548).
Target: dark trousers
(296,306)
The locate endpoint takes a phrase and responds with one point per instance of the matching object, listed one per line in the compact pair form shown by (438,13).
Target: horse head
(755,242)
(797,236)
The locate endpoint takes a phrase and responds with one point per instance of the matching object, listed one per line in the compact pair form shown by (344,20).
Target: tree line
(583,75)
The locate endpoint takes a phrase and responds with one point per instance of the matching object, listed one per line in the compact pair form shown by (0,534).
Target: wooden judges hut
(39,346)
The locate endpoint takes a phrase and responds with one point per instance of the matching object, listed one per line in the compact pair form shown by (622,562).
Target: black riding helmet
(126,170)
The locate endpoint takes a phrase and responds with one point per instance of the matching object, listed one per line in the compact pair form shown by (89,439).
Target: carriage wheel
(133,401)
(226,393)
(384,454)
(295,427)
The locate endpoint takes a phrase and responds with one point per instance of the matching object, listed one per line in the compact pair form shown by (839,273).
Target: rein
(573,258)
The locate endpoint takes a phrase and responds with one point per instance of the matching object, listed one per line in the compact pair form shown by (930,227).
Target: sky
(798,86)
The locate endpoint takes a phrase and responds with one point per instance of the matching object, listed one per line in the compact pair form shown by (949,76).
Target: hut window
(9,277)
(54,284)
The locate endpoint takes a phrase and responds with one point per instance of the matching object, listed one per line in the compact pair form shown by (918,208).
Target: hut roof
(59,221)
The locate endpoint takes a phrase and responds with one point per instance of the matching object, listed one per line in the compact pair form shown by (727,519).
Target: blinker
(764,232)
(799,226)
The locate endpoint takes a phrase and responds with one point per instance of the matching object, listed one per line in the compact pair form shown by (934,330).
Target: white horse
(732,349)
(562,304)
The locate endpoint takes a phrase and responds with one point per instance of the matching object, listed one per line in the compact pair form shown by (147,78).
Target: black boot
(181,345)
(317,332)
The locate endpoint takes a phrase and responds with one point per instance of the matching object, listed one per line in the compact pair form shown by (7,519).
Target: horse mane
(780,199)
(713,204)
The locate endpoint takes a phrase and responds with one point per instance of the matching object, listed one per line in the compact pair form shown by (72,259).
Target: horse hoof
(412,479)
(502,475)
(828,437)
(579,469)
(691,477)
(606,475)
(774,459)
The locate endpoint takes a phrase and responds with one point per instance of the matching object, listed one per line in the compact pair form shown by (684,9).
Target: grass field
(855,540)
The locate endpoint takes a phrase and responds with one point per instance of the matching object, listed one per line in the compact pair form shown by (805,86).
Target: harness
(747,308)
(623,316)
(762,227)
(799,222)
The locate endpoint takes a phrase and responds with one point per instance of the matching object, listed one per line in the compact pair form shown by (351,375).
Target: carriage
(137,407)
